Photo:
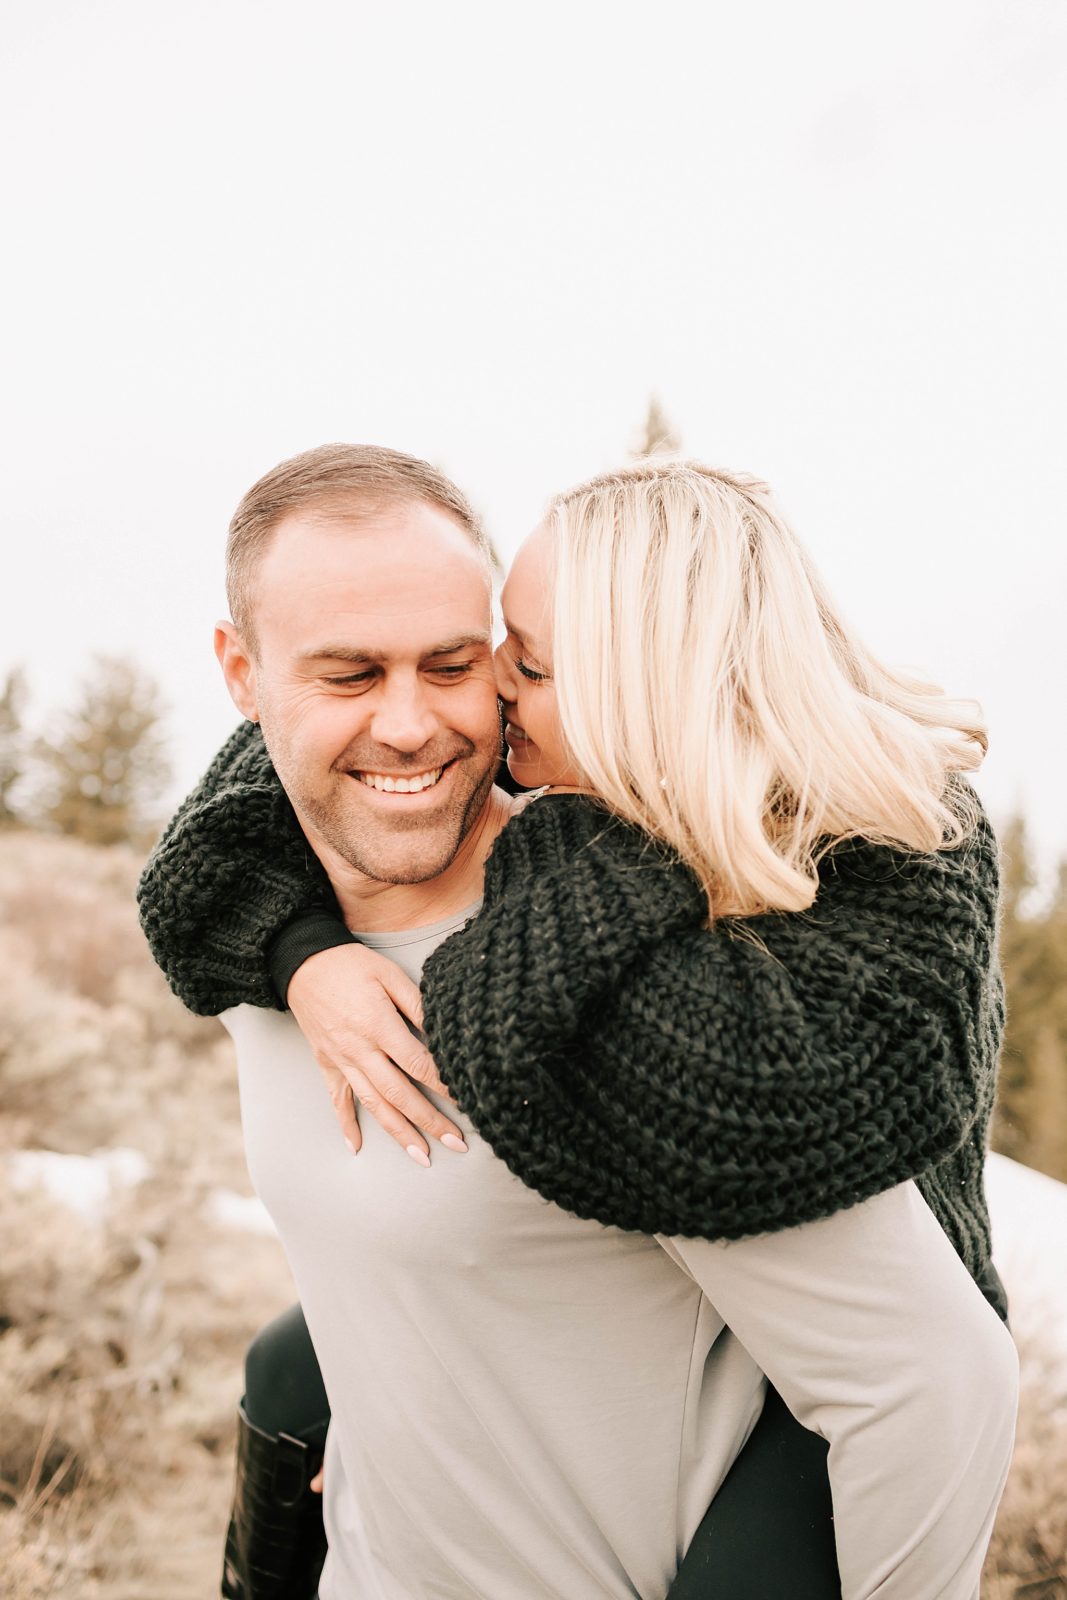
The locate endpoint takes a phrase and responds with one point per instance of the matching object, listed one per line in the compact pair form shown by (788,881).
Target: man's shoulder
(259,1027)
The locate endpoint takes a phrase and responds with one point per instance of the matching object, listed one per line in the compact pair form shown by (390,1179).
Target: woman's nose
(504,669)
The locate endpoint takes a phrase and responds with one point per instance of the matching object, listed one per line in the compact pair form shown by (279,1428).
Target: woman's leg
(284,1392)
(275,1544)
(769,1532)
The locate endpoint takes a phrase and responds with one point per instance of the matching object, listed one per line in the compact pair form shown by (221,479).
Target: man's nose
(403,717)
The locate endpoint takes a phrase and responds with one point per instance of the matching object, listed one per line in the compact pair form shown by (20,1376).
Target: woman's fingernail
(351,1146)
(452,1141)
(417,1155)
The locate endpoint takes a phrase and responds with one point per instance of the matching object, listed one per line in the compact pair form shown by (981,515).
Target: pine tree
(106,764)
(658,435)
(12,743)
(1031,1118)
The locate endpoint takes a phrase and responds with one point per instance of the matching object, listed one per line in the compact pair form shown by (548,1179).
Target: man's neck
(371,907)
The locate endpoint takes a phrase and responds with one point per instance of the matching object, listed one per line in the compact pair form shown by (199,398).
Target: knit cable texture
(232,868)
(640,1070)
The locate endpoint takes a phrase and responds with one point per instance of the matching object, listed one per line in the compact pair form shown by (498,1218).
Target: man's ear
(238,668)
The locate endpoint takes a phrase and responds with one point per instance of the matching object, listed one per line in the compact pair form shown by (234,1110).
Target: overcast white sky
(831,237)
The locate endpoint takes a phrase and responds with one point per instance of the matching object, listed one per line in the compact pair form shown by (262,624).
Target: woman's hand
(350,1003)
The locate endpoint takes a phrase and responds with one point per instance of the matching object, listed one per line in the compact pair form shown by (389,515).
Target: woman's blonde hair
(711,694)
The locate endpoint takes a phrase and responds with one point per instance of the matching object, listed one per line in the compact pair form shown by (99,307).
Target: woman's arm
(876,1337)
(232,870)
(829,1054)
(642,1071)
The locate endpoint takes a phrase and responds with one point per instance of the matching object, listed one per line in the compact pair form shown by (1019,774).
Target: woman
(692,676)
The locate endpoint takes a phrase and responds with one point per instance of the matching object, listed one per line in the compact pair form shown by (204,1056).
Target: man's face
(374,685)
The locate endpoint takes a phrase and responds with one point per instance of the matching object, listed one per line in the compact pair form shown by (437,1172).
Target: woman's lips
(515,737)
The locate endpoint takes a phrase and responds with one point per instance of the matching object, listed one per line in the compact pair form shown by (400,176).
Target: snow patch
(1029,1215)
(228,1209)
(86,1185)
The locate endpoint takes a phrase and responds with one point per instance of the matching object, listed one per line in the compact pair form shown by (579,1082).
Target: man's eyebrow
(346,652)
(462,641)
(338,652)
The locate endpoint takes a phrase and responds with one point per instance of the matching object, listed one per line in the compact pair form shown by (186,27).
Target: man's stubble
(373,845)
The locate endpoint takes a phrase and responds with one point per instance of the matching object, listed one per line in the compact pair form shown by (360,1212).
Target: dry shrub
(1028,1553)
(120,1368)
(121,1341)
(90,1035)
(42,1551)
(75,913)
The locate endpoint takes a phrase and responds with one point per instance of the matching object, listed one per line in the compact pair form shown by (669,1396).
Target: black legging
(284,1392)
(768,1533)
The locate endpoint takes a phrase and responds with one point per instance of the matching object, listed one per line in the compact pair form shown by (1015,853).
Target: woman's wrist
(300,939)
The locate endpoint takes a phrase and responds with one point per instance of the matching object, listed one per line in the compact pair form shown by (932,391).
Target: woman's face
(536,751)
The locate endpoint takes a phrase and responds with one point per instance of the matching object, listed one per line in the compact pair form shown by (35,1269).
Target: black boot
(275,1544)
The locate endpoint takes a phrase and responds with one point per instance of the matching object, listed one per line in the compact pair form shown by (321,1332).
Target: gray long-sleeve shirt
(530,1405)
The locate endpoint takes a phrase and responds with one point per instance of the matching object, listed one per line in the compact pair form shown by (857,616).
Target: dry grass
(121,1344)
(1028,1555)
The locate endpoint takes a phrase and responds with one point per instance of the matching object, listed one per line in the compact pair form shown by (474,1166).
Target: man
(523,1403)
(360,586)
(373,683)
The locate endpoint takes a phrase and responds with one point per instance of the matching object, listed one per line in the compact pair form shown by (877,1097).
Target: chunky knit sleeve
(231,871)
(638,1069)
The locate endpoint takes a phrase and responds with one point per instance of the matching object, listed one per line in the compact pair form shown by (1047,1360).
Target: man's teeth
(412,785)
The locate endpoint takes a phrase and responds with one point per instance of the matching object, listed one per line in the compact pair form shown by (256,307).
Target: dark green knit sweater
(622,1060)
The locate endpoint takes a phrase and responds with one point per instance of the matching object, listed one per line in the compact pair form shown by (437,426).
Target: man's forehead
(327,623)
(373,530)
(364,585)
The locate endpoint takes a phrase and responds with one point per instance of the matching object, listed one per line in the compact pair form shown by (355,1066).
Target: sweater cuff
(303,937)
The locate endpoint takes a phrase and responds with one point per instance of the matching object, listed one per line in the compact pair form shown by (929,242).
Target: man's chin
(404,846)
(405,851)
(396,837)
(401,873)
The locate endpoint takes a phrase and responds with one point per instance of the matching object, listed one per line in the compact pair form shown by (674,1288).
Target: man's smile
(413,783)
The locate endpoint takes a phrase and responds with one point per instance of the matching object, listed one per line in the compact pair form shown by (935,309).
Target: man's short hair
(343,480)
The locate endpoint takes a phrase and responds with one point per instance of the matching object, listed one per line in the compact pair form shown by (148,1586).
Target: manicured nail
(417,1155)
(351,1146)
(452,1141)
